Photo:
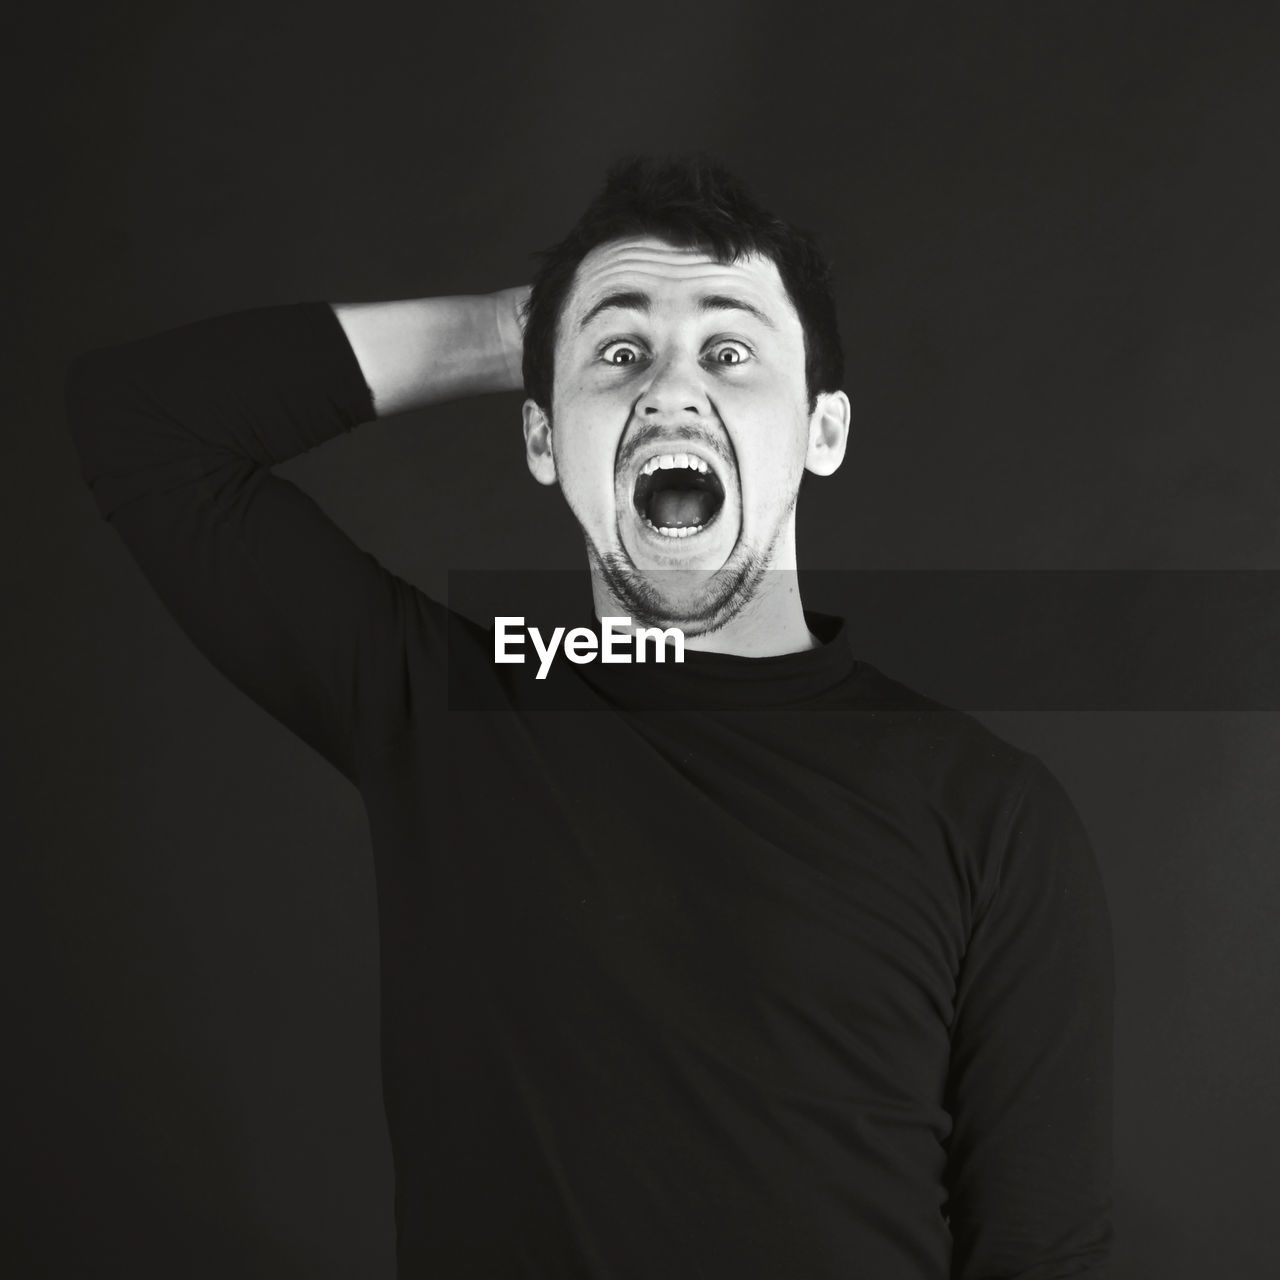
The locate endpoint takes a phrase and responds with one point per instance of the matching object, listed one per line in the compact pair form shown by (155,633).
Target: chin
(698,601)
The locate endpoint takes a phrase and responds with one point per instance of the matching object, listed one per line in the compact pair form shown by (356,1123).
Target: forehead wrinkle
(637,265)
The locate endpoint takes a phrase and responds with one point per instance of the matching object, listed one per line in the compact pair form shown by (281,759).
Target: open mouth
(677,495)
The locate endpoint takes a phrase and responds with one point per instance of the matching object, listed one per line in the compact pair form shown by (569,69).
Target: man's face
(666,356)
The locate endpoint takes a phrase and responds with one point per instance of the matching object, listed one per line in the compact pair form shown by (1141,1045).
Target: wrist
(509,305)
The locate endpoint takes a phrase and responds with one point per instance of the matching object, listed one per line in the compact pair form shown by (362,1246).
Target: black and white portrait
(641,643)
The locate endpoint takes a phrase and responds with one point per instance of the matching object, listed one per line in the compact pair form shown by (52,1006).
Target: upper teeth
(667,461)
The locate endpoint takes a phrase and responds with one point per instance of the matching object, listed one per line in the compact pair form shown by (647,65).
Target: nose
(676,387)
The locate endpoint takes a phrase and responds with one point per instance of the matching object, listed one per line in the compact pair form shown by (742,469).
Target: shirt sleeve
(177,434)
(1030,1083)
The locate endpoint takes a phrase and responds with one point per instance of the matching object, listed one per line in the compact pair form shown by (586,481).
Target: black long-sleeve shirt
(742,968)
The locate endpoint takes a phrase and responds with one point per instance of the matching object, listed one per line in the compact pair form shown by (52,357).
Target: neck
(771,623)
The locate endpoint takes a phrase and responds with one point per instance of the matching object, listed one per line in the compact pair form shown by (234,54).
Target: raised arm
(177,434)
(424,350)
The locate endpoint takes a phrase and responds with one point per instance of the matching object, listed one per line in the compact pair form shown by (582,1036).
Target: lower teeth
(674,533)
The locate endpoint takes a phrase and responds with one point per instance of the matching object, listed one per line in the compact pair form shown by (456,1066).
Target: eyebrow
(635,300)
(727,302)
(625,300)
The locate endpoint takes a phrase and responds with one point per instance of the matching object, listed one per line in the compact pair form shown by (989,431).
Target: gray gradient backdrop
(1054,227)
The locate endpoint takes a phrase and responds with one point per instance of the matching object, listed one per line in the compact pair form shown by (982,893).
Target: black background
(1054,229)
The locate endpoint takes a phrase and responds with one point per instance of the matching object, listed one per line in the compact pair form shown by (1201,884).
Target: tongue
(677,508)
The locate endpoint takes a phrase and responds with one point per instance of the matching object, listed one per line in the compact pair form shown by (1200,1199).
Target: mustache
(694,433)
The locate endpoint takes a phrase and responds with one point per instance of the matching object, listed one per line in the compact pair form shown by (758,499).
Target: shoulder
(985,789)
(932,740)
(1001,805)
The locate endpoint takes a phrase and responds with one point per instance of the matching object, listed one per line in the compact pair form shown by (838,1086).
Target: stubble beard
(696,610)
(716,602)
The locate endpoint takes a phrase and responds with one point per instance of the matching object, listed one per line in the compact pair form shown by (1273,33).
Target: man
(755,966)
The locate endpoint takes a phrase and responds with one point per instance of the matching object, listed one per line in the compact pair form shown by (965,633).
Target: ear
(537,443)
(828,433)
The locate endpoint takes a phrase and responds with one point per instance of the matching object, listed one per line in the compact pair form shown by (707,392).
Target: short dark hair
(694,203)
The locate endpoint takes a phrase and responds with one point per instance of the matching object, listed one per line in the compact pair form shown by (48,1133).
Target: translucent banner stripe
(1061,640)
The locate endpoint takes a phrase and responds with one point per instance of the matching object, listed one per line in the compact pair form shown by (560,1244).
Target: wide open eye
(620,352)
(729,352)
